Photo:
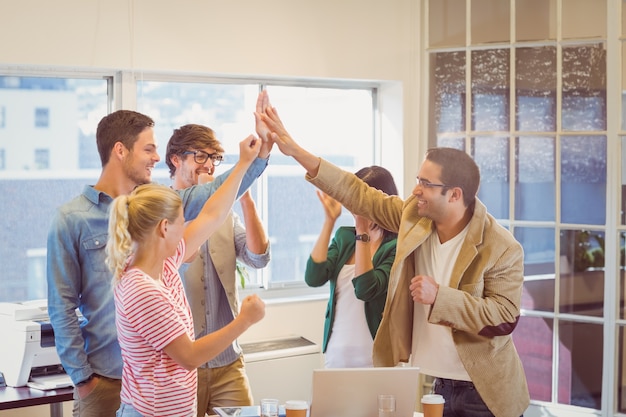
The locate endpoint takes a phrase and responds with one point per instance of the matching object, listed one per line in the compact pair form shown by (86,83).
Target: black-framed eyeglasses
(201,157)
(427,184)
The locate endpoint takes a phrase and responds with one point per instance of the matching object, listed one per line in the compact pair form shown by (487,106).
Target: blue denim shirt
(78,277)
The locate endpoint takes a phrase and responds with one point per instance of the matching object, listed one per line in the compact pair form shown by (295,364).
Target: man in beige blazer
(456,283)
(210,280)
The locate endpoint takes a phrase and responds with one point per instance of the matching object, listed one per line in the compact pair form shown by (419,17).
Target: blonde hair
(133,217)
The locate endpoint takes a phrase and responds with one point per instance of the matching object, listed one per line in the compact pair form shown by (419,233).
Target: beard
(138,176)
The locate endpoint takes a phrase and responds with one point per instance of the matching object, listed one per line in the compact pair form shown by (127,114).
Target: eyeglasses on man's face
(200,157)
(427,184)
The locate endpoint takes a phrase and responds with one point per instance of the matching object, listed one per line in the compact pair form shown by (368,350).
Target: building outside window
(40,171)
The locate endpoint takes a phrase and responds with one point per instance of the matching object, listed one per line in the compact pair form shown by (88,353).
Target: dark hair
(458,169)
(190,136)
(120,126)
(378,177)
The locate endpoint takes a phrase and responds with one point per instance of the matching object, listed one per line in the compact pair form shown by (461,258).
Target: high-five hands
(332,207)
(262,129)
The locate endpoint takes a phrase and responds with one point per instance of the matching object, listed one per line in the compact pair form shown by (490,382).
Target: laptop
(353,392)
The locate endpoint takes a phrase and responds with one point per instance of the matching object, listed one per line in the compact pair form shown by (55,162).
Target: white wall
(351,39)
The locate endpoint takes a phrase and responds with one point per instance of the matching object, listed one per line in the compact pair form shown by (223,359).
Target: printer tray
(48,382)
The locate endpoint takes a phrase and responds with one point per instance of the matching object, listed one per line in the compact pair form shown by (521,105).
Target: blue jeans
(127,410)
(462,399)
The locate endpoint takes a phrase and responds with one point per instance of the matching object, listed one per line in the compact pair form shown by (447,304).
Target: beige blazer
(481,305)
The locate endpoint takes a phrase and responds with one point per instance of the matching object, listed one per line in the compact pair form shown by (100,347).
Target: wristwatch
(363,238)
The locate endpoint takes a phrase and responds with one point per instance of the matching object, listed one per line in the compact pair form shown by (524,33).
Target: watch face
(363,238)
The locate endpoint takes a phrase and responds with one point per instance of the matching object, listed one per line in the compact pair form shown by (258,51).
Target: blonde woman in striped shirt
(148,241)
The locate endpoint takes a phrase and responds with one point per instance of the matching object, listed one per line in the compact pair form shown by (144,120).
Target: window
(316,116)
(30,194)
(335,121)
(42,117)
(537,104)
(42,158)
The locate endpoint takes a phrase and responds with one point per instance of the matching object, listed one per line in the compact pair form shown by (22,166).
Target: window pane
(580,364)
(446,22)
(583,179)
(538,244)
(345,138)
(623,81)
(623,180)
(584,88)
(621,370)
(43,164)
(535,90)
(225,108)
(535,20)
(535,179)
(492,156)
(490,90)
(448,72)
(582,276)
(533,340)
(456,143)
(621,284)
(584,19)
(490,21)
(287,202)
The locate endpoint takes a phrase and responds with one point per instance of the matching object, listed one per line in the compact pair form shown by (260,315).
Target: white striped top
(150,315)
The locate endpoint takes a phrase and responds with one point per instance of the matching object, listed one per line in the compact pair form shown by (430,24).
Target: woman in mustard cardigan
(357,265)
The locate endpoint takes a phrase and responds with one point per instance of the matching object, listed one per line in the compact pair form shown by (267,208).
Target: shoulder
(345,233)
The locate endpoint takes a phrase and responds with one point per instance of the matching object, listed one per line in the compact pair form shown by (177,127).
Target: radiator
(282,368)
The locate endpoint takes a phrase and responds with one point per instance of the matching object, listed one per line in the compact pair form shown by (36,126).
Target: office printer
(28,354)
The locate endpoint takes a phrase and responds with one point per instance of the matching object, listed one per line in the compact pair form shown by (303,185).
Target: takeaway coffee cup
(432,405)
(296,408)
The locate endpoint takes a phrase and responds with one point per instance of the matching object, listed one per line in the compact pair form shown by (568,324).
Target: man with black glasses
(456,283)
(210,280)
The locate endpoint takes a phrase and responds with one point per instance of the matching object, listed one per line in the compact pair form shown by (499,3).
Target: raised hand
(249,149)
(262,103)
(332,208)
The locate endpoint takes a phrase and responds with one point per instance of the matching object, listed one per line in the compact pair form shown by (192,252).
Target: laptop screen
(353,392)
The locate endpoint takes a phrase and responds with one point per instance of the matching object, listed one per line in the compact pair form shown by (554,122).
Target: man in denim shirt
(76,272)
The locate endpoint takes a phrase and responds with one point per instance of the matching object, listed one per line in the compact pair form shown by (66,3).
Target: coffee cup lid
(296,405)
(433,399)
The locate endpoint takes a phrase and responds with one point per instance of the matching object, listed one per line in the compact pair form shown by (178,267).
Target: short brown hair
(120,126)
(458,169)
(188,137)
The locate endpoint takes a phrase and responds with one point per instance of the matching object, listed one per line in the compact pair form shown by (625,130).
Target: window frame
(122,93)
